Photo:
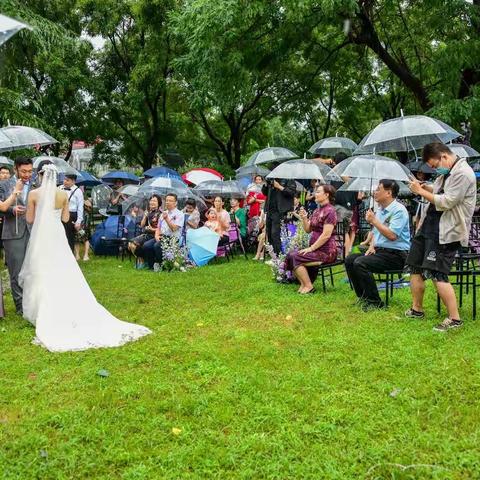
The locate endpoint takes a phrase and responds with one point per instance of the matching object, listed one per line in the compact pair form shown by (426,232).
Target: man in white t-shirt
(170,224)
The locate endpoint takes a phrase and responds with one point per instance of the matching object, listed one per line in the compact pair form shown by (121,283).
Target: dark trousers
(70,230)
(148,252)
(360,269)
(274,220)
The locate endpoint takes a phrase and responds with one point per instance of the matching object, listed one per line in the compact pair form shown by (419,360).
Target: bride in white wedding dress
(56,296)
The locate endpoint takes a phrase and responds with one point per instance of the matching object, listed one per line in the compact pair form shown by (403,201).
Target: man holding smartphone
(444,227)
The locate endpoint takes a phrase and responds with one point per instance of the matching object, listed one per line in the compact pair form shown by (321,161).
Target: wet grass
(242,378)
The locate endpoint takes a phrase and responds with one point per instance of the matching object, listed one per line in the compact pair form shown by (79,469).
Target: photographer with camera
(280,193)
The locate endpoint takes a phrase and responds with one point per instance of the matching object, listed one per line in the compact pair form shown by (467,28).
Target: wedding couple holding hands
(45,278)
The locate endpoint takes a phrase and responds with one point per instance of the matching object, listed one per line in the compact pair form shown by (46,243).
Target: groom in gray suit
(16,232)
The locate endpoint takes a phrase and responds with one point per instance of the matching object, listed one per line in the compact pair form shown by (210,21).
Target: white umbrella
(9,27)
(23,137)
(199,175)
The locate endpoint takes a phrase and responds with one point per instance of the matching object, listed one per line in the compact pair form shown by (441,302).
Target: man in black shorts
(444,228)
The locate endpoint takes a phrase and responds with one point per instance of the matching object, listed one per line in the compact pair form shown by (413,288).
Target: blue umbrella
(87,179)
(202,244)
(161,172)
(127,177)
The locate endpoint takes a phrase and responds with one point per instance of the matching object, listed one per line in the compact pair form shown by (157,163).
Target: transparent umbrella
(249,170)
(129,189)
(101,196)
(371,166)
(332,145)
(302,169)
(23,137)
(406,133)
(62,166)
(271,154)
(164,185)
(9,27)
(368,185)
(463,151)
(419,166)
(224,189)
(6,161)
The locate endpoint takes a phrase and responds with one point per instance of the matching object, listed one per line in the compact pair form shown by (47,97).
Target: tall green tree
(133,88)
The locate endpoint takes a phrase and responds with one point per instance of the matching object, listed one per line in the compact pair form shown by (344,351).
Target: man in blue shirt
(389,247)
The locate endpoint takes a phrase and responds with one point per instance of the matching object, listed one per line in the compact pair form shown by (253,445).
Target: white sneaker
(269,263)
(156,267)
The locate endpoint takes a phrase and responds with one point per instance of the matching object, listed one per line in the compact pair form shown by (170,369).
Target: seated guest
(148,224)
(261,237)
(170,224)
(388,251)
(322,248)
(215,225)
(240,217)
(5,173)
(222,215)
(192,215)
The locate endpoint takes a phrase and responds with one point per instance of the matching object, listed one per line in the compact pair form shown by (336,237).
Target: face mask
(443,170)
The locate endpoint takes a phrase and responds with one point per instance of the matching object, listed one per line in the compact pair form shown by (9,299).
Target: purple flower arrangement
(174,256)
(293,237)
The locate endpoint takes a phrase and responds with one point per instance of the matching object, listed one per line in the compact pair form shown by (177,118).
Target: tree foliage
(218,79)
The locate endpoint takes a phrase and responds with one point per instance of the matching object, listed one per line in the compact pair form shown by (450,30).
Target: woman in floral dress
(322,245)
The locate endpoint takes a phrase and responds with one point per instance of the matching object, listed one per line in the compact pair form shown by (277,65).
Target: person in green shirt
(240,217)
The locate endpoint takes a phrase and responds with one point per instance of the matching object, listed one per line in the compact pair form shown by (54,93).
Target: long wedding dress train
(56,296)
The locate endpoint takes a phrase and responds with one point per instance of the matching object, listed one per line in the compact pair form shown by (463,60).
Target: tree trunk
(368,36)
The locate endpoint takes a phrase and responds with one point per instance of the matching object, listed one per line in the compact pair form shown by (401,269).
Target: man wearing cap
(75,203)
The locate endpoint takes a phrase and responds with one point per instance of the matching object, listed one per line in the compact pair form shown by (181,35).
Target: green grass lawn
(259,382)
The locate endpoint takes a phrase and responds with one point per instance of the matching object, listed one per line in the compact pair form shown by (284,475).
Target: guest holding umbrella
(322,248)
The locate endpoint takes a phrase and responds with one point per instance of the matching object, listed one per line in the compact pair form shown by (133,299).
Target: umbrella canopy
(6,161)
(302,169)
(271,154)
(9,27)
(406,133)
(250,170)
(17,136)
(164,185)
(127,177)
(463,151)
(62,166)
(101,196)
(219,188)
(202,244)
(199,175)
(368,186)
(419,166)
(161,172)
(87,179)
(371,167)
(330,146)
(129,189)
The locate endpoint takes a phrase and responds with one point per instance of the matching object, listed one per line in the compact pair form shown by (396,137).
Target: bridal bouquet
(174,256)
